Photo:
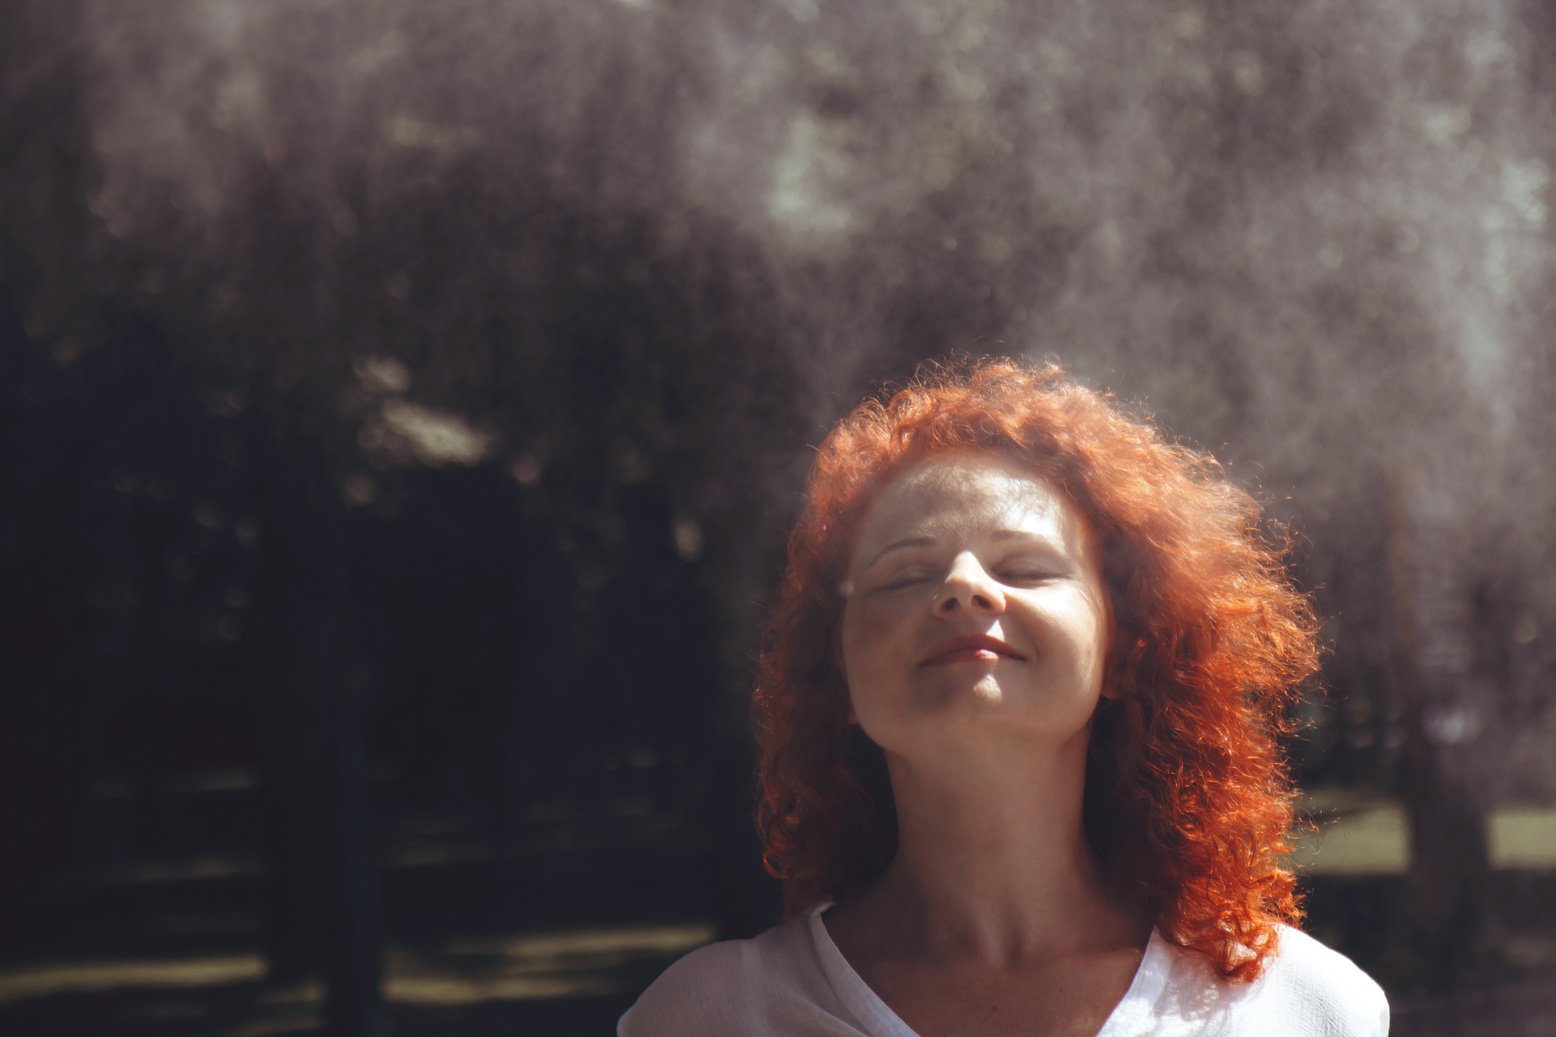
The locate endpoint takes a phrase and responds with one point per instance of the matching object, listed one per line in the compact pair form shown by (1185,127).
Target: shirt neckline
(879,1020)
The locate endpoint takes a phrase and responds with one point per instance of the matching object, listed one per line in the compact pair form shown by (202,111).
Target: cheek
(863,655)
(865,626)
(863,640)
(851,646)
(1094,633)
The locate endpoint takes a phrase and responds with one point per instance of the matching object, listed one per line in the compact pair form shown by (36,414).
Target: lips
(975,648)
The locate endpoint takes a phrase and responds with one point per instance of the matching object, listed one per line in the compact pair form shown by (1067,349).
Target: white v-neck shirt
(792,981)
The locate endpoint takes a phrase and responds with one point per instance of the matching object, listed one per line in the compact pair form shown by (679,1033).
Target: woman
(1019,708)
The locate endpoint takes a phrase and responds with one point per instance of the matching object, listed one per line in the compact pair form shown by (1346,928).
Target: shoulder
(1307,988)
(729,987)
(703,992)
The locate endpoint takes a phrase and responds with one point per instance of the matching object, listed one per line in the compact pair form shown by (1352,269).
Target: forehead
(968,494)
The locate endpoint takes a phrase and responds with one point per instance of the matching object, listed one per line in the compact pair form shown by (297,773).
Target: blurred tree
(407,404)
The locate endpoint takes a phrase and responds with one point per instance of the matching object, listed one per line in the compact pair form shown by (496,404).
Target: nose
(969,586)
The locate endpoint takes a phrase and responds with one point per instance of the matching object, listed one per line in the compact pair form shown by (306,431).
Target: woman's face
(974,597)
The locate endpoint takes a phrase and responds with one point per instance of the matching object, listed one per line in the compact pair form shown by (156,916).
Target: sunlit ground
(559,983)
(1361,836)
(534,967)
(576,980)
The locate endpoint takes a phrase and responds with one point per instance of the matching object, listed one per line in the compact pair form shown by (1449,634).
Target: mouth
(980,648)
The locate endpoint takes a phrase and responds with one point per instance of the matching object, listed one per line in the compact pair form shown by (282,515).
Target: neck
(992,860)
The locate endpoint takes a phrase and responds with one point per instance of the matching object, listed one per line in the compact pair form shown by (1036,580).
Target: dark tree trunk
(324,889)
(1449,857)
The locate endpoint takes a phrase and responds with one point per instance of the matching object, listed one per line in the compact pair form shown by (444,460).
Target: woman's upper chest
(1071,996)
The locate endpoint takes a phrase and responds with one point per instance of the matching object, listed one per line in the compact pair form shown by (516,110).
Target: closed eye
(1027,577)
(1019,573)
(897,581)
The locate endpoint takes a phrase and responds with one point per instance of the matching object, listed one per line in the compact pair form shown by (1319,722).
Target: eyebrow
(1020,534)
(1038,539)
(918,541)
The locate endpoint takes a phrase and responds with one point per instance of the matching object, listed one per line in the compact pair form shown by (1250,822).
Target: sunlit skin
(973,642)
(973,592)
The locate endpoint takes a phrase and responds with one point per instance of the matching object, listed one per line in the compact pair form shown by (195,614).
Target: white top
(792,981)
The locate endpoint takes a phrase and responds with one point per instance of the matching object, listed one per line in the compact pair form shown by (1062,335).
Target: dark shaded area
(403,408)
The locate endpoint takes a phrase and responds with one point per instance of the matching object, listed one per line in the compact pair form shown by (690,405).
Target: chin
(988,703)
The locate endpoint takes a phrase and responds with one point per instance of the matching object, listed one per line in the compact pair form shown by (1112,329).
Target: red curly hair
(1188,798)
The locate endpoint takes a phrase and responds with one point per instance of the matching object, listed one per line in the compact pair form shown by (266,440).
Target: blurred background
(404,405)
